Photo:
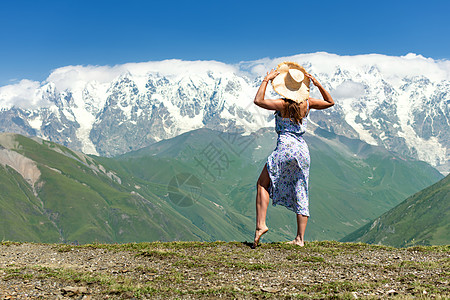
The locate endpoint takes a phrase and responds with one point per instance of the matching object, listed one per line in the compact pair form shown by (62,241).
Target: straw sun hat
(291,83)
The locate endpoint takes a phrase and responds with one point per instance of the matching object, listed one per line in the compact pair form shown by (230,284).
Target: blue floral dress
(288,166)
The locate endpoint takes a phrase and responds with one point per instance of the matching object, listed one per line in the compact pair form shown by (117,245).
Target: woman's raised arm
(317,103)
(270,104)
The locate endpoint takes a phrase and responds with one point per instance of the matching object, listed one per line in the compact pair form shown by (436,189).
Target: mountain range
(199,185)
(399,103)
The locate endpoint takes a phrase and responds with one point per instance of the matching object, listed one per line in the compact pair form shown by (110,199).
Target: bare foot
(258,235)
(296,242)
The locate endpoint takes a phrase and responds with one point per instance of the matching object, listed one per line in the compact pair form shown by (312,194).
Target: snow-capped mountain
(401,103)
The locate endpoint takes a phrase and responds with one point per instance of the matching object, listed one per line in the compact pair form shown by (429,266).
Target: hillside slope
(49,193)
(352,182)
(422,219)
(196,186)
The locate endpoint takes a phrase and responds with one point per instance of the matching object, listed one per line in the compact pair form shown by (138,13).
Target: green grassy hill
(197,186)
(422,219)
(76,198)
(351,182)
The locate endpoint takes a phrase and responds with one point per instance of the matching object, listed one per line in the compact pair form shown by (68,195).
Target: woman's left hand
(313,79)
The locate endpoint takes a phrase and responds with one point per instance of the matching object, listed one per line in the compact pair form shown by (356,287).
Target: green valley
(198,186)
(422,219)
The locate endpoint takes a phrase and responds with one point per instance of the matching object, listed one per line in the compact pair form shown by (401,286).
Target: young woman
(285,176)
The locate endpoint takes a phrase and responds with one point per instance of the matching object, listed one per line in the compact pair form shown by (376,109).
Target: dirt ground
(192,270)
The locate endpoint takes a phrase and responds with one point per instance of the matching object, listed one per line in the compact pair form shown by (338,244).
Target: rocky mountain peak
(376,101)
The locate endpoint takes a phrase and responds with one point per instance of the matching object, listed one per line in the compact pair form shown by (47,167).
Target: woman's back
(288,125)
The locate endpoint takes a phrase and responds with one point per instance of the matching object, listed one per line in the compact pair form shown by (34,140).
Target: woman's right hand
(271,75)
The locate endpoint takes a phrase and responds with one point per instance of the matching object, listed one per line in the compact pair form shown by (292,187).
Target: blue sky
(39,36)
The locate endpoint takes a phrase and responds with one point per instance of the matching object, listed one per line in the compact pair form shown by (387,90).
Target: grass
(160,254)
(440,248)
(9,243)
(301,257)
(336,287)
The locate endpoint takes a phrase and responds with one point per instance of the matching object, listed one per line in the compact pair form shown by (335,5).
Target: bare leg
(301,226)
(262,202)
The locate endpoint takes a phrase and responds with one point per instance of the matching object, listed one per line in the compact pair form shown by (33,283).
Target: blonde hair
(295,111)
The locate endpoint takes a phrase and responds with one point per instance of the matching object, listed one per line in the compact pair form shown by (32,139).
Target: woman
(284,177)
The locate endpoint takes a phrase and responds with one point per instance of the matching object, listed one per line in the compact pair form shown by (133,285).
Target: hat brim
(287,87)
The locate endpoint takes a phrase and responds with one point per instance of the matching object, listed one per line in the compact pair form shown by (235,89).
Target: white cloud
(23,94)
(76,77)
(175,67)
(392,68)
(348,89)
